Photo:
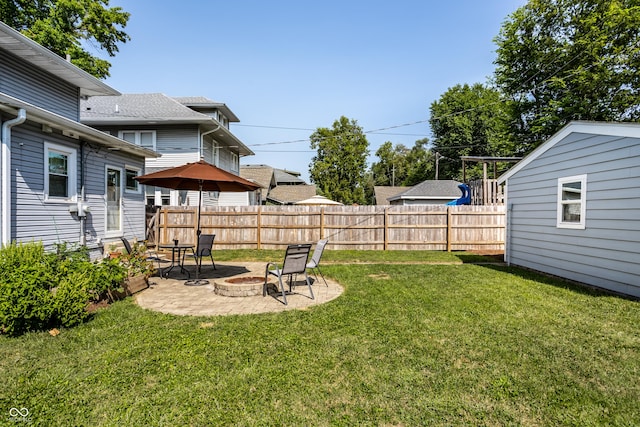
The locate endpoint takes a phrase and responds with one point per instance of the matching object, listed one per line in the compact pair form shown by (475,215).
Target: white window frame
(235,162)
(120,231)
(137,136)
(137,170)
(561,223)
(72,172)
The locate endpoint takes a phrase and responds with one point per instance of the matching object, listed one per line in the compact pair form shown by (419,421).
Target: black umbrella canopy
(198,176)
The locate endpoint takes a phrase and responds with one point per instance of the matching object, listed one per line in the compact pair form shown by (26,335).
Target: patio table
(178,252)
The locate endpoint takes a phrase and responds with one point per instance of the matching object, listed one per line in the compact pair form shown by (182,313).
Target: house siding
(51,222)
(38,87)
(605,253)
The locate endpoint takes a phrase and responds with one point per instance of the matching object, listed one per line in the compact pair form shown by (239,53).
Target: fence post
(321,223)
(449,218)
(385,232)
(259,228)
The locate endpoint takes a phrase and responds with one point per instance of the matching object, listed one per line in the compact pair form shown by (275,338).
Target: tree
(62,26)
(563,60)
(339,167)
(469,121)
(401,166)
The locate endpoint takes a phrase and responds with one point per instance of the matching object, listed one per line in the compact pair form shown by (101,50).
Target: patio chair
(205,248)
(314,264)
(295,262)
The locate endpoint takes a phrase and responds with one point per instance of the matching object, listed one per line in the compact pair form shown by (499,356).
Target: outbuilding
(573,206)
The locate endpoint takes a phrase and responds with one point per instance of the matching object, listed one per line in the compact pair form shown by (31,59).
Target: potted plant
(113,251)
(139,269)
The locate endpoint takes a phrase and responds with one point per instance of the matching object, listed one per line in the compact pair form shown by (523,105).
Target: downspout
(202,135)
(6,174)
(83,218)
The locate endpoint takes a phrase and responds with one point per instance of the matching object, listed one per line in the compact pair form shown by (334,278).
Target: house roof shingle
(431,189)
(287,194)
(384,192)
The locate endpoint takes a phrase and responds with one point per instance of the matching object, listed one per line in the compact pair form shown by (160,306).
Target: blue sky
(286,68)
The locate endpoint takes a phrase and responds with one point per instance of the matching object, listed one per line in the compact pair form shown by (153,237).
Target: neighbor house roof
(287,194)
(261,174)
(200,102)
(152,109)
(431,189)
(631,130)
(384,192)
(41,57)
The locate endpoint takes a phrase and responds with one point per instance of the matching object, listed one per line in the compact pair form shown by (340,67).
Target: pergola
(485,161)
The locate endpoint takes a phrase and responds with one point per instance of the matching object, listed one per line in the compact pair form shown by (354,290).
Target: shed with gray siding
(573,206)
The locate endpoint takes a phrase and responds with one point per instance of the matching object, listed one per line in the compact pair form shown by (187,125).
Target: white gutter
(202,135)
(6,174)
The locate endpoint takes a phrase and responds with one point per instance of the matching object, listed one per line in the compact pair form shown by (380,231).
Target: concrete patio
(172,296)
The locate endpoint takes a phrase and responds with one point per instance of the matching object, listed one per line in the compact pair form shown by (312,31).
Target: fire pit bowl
(240,286)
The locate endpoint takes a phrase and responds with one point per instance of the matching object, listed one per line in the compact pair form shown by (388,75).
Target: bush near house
(40,290)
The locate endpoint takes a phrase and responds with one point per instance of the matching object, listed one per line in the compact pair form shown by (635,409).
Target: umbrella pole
(197,281)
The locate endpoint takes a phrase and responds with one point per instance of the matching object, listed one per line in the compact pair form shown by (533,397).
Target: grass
(418,344)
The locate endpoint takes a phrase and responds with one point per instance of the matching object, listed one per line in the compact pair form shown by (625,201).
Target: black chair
(295,262)
(205,248)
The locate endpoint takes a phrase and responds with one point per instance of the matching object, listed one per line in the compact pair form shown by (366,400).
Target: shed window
(572,201)
(131,185)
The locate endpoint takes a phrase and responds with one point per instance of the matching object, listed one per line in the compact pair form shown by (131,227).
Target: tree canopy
(469,121)
(401,166)
(63,26)
(339,167)
(563,60)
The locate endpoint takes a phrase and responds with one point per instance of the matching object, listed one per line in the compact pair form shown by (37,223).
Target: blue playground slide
(466,196)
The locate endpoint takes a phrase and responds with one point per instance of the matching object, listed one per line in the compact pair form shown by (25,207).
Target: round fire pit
(240,286)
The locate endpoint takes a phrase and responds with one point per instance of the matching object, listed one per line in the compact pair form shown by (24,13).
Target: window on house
(131,185)
(572,201)
(235,163)
(143,138)
(60,173)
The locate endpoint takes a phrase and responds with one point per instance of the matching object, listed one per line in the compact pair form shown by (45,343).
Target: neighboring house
(183,130)
(61,181)
(279,186)
(430,192)
(383,193)
(573,206)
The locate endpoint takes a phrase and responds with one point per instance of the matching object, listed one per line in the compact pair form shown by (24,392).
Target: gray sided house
(573,206)
(60,181)
(182,130)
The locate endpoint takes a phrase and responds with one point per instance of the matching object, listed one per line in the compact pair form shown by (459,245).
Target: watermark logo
(19,414)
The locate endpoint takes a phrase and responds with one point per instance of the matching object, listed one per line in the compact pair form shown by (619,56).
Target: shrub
(39,290)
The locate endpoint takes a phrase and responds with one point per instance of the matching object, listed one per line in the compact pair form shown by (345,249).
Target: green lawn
(419,344)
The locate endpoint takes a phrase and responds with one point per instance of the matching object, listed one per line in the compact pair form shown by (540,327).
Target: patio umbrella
(198,176)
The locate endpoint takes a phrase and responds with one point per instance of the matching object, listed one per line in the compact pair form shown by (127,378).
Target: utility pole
(438,157)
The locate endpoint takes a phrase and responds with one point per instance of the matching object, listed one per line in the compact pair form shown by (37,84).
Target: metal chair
(205,248)
(295,262)
(314,264)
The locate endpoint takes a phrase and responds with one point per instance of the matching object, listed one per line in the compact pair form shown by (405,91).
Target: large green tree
(340,165)
(469,121)
(563,60)
(399,165)
(65,26)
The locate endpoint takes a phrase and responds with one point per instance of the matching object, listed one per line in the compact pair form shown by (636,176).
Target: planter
(135,284)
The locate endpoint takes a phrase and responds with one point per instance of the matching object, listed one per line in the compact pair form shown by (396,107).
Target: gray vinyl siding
(38,87)
(607,252)
(35,219)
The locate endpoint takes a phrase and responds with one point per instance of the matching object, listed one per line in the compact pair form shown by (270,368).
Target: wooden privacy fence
(347,227)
